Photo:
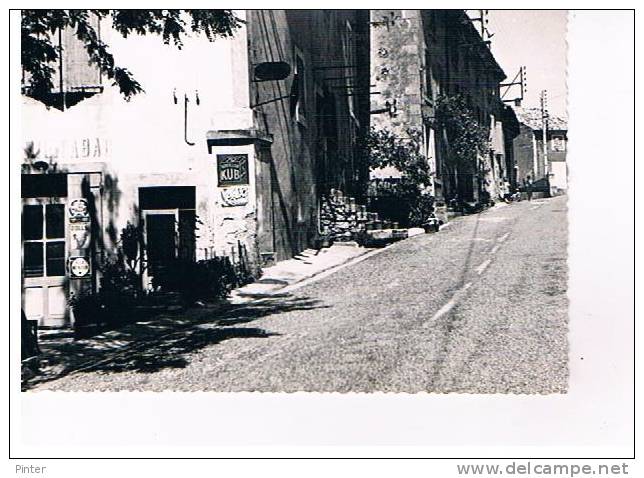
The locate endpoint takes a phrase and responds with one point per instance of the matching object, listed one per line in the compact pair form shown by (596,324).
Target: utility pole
(544,129)
(484,20)
(520,79)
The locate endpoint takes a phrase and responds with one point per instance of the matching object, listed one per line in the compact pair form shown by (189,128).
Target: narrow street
(480,307)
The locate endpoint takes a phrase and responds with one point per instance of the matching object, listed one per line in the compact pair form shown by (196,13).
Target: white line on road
(449,305)
(503,237)
(484,265)
(495,248)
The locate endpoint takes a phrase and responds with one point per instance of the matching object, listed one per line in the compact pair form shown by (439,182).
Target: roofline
(462,18)
(540,129)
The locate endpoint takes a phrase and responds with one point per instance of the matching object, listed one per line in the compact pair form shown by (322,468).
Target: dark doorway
(327,171)
(169,219)
(161,246)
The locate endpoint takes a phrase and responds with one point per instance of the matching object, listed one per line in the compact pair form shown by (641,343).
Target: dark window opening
(33,259)
(32,222)
(55,258)
(55,220)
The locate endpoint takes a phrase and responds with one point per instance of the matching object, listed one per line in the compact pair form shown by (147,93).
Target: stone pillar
(236,212)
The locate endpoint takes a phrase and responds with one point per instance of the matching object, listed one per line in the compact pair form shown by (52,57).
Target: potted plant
(89,313)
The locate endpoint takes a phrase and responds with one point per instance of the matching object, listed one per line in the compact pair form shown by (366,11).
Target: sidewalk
(305,265)
(277,280)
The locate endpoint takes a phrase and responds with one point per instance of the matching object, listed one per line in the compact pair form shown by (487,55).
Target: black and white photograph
(353,201)
(350,200)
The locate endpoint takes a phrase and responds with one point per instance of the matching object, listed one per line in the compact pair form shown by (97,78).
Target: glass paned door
(43,260)
(43,227)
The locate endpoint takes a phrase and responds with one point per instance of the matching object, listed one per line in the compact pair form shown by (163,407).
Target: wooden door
(44,251)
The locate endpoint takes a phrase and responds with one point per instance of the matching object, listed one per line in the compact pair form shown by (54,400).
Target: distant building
(528,150)
(210,160)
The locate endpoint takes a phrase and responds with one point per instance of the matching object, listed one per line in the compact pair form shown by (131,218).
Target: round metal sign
(78,267)
(78,210)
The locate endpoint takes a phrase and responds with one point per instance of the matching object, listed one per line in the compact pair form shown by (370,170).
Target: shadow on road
(165,342)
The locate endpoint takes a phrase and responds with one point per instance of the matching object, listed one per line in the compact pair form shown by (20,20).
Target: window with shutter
(75,78)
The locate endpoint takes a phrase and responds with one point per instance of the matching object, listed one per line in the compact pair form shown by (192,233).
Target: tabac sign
(232,169)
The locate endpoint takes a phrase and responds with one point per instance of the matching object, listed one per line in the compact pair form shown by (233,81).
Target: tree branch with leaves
(38,27)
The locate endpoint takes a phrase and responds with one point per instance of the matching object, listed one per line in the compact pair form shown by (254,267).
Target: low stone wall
(342,219)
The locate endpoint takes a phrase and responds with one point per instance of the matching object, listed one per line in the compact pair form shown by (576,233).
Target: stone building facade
(419,55)
(209,160)
(315,140)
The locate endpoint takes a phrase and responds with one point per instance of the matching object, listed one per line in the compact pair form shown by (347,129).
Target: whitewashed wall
(141,142)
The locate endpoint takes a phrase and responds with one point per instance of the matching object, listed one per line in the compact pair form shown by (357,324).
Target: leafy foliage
(209,279)
(89,309)
(118,281)
(467,138)
(404,154)
(385,149)
(38,27)
(114,303)
(130,240)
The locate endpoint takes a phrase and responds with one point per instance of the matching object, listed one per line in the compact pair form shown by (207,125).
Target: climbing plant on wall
(466,136)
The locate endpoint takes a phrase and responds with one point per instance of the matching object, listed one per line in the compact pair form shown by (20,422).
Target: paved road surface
(479,307)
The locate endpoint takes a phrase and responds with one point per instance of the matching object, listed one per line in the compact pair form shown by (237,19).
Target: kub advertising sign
(232,169)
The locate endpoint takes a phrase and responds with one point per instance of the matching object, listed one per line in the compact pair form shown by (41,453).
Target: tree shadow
(166,341)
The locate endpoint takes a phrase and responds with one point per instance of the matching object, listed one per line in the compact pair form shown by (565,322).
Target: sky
(535,39)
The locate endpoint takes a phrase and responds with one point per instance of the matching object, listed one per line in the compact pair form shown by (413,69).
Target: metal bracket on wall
(185,113)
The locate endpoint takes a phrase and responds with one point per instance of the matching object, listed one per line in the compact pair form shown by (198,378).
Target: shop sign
(69,149)
(78,210)
(80,235)
(79,267)
(232,169)
(234,196)
(79,223)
